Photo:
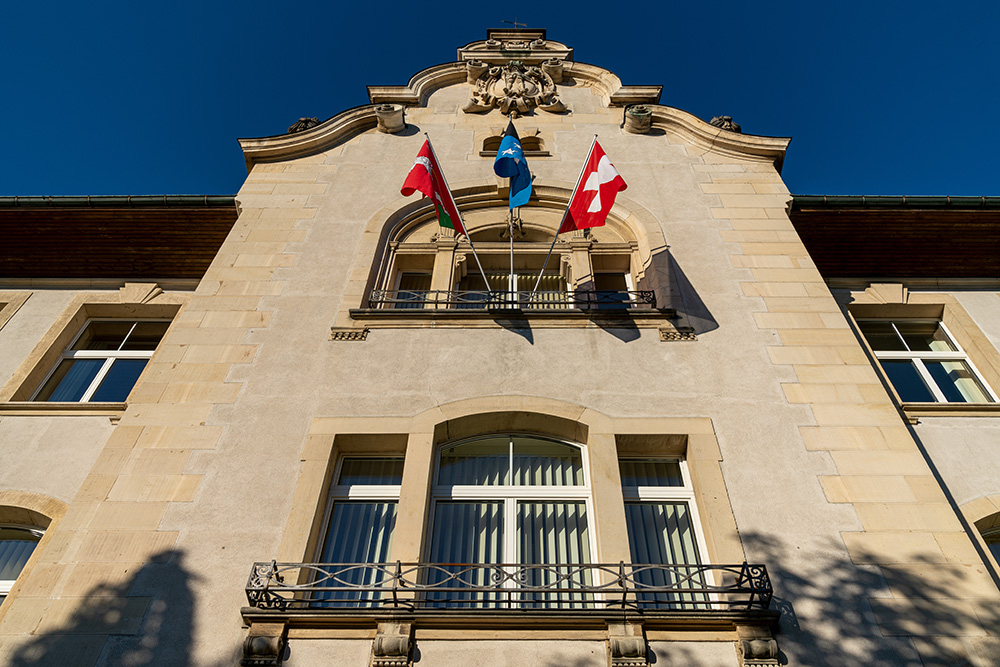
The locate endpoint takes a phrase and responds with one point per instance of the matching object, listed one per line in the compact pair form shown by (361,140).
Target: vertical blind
(466,532)
(553,534)
(662,532)
(359,532)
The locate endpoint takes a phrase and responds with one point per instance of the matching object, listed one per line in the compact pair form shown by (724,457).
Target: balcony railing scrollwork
(474,588)
(522,300)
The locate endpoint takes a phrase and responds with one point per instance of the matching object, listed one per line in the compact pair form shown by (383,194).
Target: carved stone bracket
(392,645)
(627,645)
(264,645)
(514,88)
(763,652)
(348,333)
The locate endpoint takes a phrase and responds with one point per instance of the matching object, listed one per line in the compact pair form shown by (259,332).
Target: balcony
(416,589)
(492,301)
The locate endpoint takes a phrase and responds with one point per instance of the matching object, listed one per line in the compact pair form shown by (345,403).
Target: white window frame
(669,494)
(510,494)
(110,356)
(918,357)
(7,584)
(364,492)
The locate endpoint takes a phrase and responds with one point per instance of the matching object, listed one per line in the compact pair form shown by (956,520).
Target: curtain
(554,534)
(16,546)
(543,463)
(360,532)
(465,533)
(662,533)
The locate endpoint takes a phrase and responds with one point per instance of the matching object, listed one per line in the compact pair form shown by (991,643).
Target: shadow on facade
(103,626)
(862,614)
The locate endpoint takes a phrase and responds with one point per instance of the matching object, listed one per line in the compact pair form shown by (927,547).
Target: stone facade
(277,364)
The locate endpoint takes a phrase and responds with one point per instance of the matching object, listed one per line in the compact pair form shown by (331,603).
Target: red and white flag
(595,193)
(427,178)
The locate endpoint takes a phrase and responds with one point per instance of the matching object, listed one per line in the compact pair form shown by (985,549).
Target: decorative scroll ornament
(514,88)
(726,123)
(303,124)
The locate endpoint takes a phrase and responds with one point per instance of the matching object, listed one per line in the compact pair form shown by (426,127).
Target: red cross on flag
(595,193)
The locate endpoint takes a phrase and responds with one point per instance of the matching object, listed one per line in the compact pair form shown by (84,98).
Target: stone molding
(349,333)
(392,645)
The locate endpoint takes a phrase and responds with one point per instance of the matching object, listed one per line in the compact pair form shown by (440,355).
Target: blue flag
(510,163)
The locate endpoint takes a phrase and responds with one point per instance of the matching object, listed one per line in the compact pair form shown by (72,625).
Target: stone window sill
(951,409)
(52,409)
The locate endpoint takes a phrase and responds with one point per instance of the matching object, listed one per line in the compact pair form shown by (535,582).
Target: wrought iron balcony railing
(472,588)
(498,300)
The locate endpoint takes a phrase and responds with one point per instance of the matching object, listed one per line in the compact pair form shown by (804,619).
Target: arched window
(16,546)
(515,500)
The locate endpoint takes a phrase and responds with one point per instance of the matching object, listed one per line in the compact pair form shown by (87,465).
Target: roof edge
(120,201)
(800,202)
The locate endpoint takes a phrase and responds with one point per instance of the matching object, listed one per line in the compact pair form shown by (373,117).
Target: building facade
(308,425)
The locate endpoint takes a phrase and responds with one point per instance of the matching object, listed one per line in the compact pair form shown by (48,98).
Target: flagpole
(572,194)
(510,230)
(460,219)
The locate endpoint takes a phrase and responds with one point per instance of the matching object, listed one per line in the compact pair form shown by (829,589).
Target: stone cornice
(716,140)
(354,121)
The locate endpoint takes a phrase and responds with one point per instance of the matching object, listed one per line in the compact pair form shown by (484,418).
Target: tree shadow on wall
(111,628)
(854,614)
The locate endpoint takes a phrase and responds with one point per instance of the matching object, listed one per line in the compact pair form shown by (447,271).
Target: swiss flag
(595,194)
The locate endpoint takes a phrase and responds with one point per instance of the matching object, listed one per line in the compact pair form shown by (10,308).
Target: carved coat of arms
(514,88)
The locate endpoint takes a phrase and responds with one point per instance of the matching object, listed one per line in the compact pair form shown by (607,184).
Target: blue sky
(149,98)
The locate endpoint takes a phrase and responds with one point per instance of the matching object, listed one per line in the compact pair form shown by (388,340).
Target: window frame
(109,356)
(353,492)
(7,584)
(917,358)
(667,494)
(510,495)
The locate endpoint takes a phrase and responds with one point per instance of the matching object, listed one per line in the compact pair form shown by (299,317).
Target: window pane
(146,336)
(881,336)
(380,471)
(71,380)
(956,381)
(483,462)
(553,534)
(118,383)
(924,336)
(906,379)
(544,463)
(647,472)
(465,533)
(103,335)
(16,545)
(661,534)
(359,532)
(993,542)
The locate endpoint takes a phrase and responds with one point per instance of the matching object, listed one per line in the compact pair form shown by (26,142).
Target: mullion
(98,379)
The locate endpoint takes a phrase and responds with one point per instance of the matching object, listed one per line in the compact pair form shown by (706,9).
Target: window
(923,362)
(662,523)
(361,516)
(992,538)
(103,361)
(16,546)
(517,505)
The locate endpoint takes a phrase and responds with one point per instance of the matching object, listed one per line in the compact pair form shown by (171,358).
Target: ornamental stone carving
(390,118)
(725,123)
(303,124)
(638,119)
(392,645)
(759,652)
(264,645)
(514,88)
